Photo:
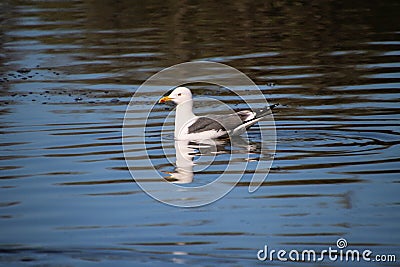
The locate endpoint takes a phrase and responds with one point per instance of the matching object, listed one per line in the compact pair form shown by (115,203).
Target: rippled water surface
(69,68)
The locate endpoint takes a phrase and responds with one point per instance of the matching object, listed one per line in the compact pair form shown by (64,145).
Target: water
(68,70)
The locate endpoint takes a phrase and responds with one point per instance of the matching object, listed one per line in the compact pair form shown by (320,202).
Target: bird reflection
(187,150)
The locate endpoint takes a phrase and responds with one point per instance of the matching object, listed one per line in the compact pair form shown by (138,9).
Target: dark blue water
(69,69)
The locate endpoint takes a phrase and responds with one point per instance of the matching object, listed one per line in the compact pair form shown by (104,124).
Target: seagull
(188,126)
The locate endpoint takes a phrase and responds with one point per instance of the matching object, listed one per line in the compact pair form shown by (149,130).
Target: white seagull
(191,127)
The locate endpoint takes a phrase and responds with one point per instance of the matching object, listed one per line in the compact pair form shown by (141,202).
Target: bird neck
(183,114)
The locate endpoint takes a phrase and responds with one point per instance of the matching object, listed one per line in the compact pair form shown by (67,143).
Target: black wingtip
(273,106)
(265,111)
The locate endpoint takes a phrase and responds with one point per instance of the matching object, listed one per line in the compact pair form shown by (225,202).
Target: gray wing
(229,122)
(205,124)
(217,123)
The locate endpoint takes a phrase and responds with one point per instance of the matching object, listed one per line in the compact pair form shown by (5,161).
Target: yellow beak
(165,99)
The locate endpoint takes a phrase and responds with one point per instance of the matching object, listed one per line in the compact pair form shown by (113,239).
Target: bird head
(178,96)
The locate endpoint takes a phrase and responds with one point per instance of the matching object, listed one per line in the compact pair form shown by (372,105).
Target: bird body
(188,126)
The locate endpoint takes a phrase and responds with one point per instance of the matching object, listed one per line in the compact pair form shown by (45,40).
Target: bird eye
(179,94)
